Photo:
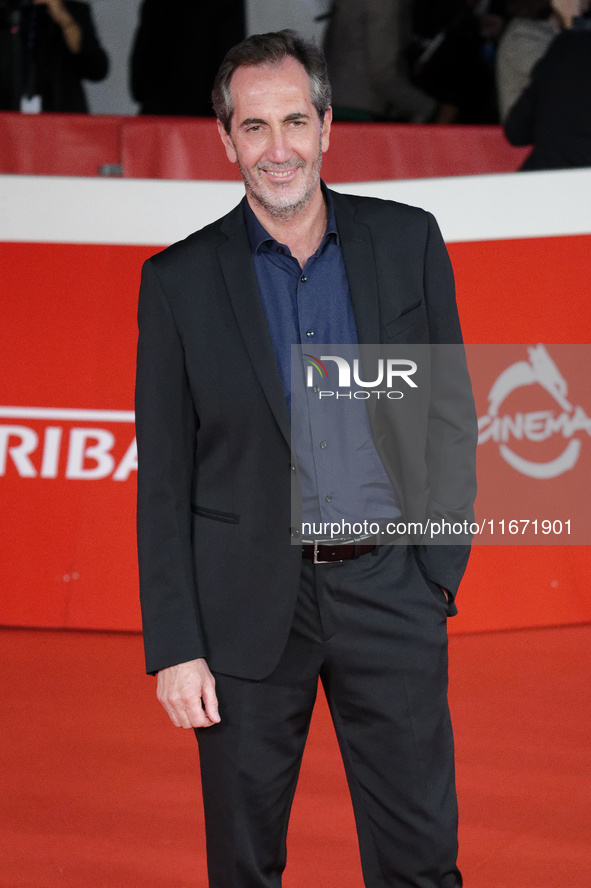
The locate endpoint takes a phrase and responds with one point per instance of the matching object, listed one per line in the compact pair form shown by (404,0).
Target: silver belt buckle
(319,561)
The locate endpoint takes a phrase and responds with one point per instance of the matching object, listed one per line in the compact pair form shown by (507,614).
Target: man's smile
(282,173)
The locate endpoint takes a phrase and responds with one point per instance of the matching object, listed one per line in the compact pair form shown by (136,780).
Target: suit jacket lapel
(361,273)
(360,266)
(240,277)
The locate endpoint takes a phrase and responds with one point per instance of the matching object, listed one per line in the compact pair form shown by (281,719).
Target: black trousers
(374,630)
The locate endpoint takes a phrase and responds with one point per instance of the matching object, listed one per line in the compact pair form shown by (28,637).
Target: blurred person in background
(554,112)
(47,48)
(532,27)
(365,47)
(453,54)
(178,48)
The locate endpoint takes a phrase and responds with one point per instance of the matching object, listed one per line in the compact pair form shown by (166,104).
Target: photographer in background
(47,47)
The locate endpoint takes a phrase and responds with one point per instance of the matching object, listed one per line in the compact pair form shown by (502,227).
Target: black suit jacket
(218,571)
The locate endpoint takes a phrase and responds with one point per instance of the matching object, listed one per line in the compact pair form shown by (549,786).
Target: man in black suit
(239,609)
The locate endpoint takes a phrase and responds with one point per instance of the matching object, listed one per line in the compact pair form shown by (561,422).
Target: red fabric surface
(368,152)
(174,148)
(99,790)
(189,148)
(57,144)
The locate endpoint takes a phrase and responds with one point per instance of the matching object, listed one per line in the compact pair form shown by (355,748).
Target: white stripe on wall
(53,209)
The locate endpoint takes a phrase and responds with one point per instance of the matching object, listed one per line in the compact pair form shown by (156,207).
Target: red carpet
(100,791)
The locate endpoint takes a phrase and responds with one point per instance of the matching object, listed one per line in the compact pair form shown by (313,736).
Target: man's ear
(326,124)
(227,143)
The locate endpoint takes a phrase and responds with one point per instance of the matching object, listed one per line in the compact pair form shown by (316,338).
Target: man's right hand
(187,692)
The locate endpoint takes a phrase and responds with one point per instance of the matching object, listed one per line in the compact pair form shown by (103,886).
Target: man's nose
(278,149)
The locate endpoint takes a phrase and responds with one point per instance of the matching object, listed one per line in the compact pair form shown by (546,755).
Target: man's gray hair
(271,49)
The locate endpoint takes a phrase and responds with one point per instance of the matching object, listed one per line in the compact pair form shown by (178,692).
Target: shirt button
(280,249)
(303,279)
(310,334)
(294,531)
(328,498)
(293,468)
(323,445)
(315,389)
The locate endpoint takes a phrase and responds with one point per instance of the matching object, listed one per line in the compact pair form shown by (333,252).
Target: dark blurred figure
(47,47)
(554,112)
(366,49)
(532,27)
(177,51)
(454,54)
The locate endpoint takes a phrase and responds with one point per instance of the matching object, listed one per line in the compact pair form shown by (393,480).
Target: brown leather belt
(335,552)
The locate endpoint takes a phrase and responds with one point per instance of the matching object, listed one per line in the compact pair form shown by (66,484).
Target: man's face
(276,137)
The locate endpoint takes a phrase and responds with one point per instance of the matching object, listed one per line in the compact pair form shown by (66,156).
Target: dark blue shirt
(342,477)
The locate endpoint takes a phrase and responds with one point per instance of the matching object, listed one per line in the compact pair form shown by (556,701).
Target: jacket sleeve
(520,122)
(166,425)
(146,64)
(452,433)
(92,62)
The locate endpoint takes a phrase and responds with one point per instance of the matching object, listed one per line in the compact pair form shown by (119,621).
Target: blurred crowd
(524,63)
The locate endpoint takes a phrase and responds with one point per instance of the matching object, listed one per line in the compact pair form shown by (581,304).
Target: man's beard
(272,203)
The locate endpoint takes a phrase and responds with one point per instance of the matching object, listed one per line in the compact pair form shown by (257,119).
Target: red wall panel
(67,480)
(68,343)
(58,144)
(189,148)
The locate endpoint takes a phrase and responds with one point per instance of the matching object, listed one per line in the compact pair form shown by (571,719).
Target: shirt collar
(258,235)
